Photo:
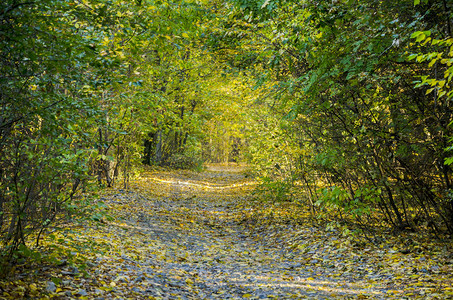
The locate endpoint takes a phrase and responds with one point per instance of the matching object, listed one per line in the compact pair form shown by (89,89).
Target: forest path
(186,235)
(189,236)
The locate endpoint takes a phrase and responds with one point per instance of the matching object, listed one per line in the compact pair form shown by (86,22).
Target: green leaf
(420,37)
(416,34)
(448,161)
(432,63)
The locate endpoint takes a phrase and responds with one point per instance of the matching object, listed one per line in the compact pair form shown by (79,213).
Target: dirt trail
(186,235)
(185,238)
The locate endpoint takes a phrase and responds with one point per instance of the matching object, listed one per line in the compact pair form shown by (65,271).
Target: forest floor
(186,235)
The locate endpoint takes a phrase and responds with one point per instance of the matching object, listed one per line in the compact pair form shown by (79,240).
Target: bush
(185,161)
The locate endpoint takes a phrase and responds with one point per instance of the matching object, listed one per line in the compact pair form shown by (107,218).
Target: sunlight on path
(205,185)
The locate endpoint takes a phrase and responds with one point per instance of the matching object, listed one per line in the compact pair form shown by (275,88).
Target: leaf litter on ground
(188,235)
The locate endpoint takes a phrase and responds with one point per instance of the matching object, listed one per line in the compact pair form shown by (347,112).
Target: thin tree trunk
(158,149)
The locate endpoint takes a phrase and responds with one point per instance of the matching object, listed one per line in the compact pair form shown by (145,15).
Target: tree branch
(13,7)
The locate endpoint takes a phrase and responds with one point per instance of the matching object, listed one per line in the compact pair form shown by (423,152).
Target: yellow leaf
(185,35)
(432,63)
(112,284)
(429,91)
(121,55)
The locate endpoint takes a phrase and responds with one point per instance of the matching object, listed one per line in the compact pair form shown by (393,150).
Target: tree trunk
(158,149)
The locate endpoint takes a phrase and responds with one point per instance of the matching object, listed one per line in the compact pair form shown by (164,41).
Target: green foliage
(185,161)
(440,86)
(43,140)
(339,76)
(274,190)
(441,59)
(359,205)
(59,124)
